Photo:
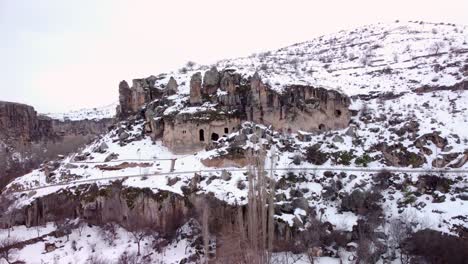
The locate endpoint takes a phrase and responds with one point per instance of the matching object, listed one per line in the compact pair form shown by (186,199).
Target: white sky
(61,55)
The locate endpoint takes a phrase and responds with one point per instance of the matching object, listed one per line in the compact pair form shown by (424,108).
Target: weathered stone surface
(338,139)
(134,98)
(21,123)
(195,89)
(123,135)
(301,108)
(125,100)
(172,86)
(166,211)
(211,81)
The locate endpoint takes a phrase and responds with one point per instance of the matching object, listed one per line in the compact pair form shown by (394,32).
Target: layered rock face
(27,139)
(81,127)
(20,123)
(132,99)
(232,99)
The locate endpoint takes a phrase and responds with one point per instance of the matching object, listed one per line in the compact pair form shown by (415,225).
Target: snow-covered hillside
(396,57)
(410,116)
(97,113)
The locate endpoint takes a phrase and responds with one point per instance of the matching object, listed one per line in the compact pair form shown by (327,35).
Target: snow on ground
(97,113)
(397,57)
(89,242)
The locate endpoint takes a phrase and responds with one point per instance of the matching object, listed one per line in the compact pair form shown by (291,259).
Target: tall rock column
(171,87)
(211,81)
(195,89)
(125,100)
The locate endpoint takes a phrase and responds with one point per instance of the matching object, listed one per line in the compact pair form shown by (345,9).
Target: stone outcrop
(27,139)
(20,123)
(172,86)
(195,89)
(92,128)
(211,81)
(165,211)
(236,99)
(183,135)
(125,100)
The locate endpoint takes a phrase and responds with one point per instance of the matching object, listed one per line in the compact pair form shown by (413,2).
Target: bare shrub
(435,48)
(398,232)
(139,228)
(108,233)
(94,259)
(431,246)
(132,258)
(6,249)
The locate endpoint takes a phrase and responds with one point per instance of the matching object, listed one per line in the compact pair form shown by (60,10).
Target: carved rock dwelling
(220,101)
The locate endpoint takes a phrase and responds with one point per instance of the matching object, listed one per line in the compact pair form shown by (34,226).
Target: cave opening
(202,135)
(214,137)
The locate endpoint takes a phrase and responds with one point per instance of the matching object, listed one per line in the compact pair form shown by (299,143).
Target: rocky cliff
(27,139)
(364,132)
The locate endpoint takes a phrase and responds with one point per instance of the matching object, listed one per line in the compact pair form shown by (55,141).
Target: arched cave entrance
(337,113)
(202,135)
(214,137)
(321,127)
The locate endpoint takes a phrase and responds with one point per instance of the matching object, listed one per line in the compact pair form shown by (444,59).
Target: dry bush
(108,233)
(431,246)
(7,248)
(133,258)
(139,228)
(97,260)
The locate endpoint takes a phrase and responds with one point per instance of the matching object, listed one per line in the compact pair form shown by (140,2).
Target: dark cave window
(226,130)
(321,127)
(337,113)
(214,136)
(202,135)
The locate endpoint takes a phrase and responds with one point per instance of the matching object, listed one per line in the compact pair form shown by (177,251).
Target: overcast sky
(60,55)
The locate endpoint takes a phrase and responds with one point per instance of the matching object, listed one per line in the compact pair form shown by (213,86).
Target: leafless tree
(80,226)
(139,227)
(108,232)
(437,46)
(260,210)
(398,231)
(6,216)
(206,233)
(64,227)
(310,238)
(6,248)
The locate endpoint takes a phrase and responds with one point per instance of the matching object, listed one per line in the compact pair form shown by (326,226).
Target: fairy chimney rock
(172,86)
(195,89)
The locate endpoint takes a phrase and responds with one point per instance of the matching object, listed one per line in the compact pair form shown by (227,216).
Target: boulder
(338,139)
(225,175)
(102,148)
(123,136)
(111,156)
(301,203)
(351,131)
